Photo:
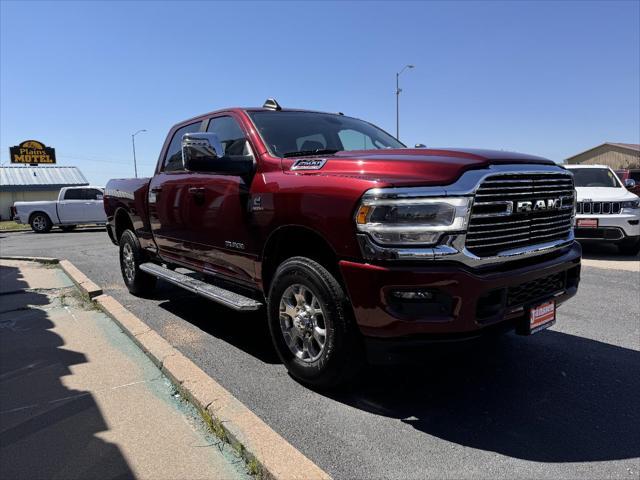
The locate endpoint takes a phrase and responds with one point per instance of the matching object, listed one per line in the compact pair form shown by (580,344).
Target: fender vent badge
(309,164)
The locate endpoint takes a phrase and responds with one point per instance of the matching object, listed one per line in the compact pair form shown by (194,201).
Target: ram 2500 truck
(348,238)
(75,206)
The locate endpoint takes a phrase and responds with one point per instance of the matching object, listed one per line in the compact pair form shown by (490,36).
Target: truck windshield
(294,134)
(594,177)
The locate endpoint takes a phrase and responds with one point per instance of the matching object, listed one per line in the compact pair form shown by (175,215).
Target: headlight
(631,204)
(411,221)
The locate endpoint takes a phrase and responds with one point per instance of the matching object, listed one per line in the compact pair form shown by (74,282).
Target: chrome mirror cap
(202,144)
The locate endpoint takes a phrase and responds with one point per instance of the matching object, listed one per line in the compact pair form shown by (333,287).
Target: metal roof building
(615,155)
(13,177)
(25,183)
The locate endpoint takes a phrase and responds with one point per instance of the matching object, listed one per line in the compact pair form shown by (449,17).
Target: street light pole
(133,143)
(398,90)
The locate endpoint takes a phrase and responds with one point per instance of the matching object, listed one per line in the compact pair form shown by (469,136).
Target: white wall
(7,199)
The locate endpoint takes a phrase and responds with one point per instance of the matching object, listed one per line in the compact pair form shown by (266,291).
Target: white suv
(606,210)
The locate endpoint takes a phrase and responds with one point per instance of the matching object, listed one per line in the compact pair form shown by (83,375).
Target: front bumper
(610,227)
(471,301)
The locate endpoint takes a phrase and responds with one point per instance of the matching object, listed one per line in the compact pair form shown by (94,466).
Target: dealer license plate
(542,316)
(587,223)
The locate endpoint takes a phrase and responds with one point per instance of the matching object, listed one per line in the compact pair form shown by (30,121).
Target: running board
(225,297)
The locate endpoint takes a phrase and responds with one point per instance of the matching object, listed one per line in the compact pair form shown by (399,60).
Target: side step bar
(225,297)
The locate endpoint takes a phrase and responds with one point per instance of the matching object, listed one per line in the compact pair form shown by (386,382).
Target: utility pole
(398,91)
(133,143)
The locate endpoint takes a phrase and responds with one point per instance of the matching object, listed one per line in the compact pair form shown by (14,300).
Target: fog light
(412,294)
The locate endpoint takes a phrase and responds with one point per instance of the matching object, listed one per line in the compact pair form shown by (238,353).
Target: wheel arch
(296,240)
(122,221)
(35,212)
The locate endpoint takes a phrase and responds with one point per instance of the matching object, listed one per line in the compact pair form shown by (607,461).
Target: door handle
(197,191)
(156,189)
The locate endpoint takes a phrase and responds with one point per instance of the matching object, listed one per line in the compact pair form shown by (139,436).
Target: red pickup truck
(352,241)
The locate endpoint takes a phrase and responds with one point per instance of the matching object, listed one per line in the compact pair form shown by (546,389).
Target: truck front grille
(605,208)
(500,220)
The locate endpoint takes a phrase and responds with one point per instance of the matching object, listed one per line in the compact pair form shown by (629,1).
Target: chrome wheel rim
(39,222)
(302,322)
(128,262)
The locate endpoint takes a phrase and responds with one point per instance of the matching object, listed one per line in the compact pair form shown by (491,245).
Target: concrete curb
(256,442)
(47,260)
(80,279)
(253,439)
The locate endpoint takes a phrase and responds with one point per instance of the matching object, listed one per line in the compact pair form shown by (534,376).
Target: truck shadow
(605,251)
(46,429)
(551,398)
(247,331)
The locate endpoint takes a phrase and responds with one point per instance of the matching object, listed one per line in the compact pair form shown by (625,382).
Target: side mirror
(630,183)
(201,151)
(420,145)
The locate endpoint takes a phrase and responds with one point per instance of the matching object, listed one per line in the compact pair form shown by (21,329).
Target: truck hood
(604,194)
(411,166)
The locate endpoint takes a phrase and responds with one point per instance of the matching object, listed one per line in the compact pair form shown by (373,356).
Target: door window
(234,143)
(74,194)
(173,159)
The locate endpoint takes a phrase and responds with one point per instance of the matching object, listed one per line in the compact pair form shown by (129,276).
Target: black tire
(629,246)
(40,222)
(131,256)
(343,353)
(67,228)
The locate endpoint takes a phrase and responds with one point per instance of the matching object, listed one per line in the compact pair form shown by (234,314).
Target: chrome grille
(496,226)
(606,208)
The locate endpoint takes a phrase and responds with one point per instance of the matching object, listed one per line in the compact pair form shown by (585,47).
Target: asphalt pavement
(559,404)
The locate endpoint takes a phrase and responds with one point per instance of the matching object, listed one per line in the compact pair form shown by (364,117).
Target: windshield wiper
(304,153)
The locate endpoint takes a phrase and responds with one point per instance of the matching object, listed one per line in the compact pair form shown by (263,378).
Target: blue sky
(549,78)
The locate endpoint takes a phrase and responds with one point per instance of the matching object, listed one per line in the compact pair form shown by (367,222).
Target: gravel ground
(560,404)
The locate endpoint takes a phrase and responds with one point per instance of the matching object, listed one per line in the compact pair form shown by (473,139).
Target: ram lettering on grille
(514,211)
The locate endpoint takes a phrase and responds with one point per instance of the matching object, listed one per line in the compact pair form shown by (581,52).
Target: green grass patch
(11,226)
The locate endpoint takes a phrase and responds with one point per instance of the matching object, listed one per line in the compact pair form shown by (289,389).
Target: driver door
(218,210)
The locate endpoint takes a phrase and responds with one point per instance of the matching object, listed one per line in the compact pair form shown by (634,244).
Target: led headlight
(631,204)
(411,221)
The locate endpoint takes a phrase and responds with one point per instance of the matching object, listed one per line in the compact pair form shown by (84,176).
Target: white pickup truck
(75,206)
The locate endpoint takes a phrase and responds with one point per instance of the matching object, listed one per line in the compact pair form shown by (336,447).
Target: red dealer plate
(587,223)
(542,316)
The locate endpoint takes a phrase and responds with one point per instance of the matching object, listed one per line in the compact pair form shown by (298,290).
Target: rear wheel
(629,246)
(67,228)
(40,222)
(311,324)
(131,257)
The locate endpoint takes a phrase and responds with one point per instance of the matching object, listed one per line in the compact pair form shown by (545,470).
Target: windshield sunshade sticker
(307,164)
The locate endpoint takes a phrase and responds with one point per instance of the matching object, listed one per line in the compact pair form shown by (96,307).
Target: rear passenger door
(169,197)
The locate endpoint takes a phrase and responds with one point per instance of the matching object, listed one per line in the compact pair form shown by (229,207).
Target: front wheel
(40,222)
(131,256)
(311,324)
